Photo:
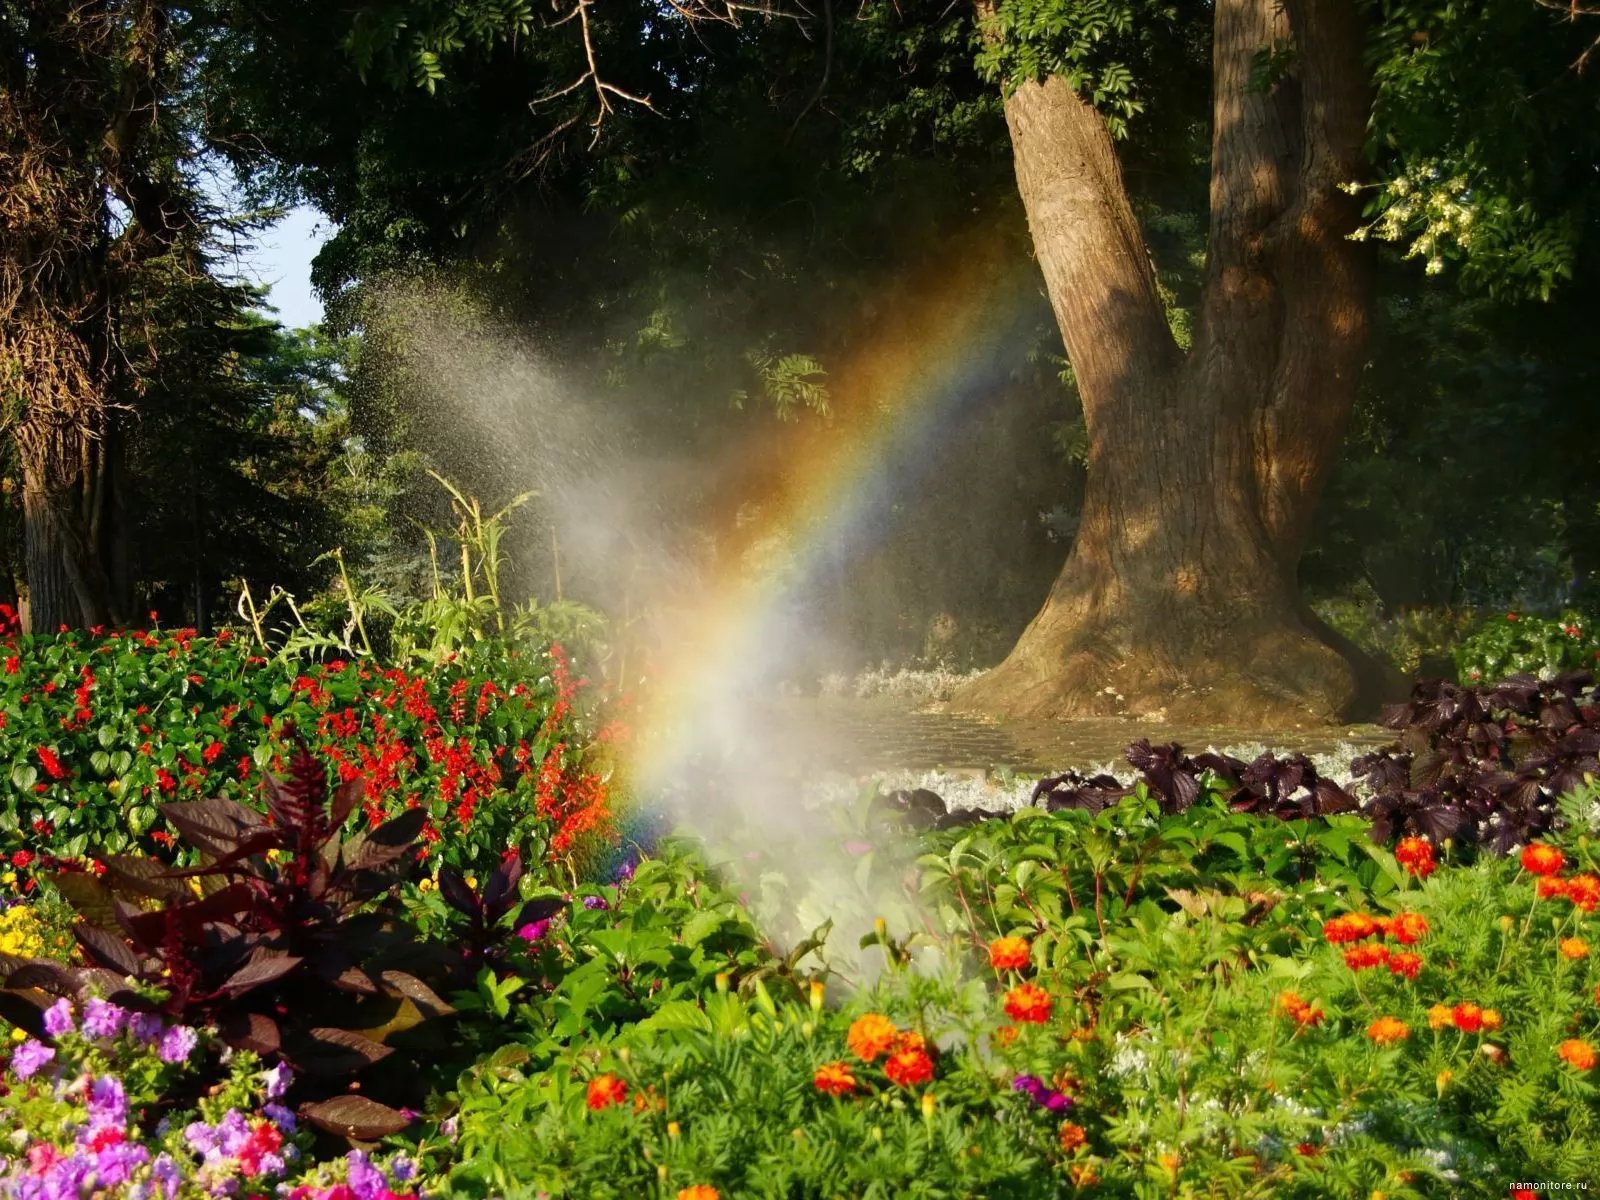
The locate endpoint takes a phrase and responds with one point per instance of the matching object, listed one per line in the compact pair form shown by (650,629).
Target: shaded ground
(861,736)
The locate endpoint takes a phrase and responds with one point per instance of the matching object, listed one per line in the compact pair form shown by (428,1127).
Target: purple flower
(534,930)
(204,1138)
(593,903)
(365,1180)
(234,1131)
(1056,1102)
(279,1116)
(115,1164)
(1047,1098)
(29,1057)
(102,1019)
(402,1169)
(145,1027)
(58,1018)
(277,1080)
(108,1103)
(177,1044)
(625,872)
(164,1174)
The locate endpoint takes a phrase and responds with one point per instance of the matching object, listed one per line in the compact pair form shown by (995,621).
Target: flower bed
(97,732)
(1127,991)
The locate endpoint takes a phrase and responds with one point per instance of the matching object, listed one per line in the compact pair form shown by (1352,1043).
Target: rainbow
(821,493)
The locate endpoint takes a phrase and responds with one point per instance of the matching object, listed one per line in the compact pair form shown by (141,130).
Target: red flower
(835,1078)
(1406,963)
(1584,891)
(604,1091)
(1467,1017)
(1029,1003)
(21,858)
(1359,958)
(1408,928)
(909,1067)
(1352,927)
(52,764)
(1539,859)
(1009,953)
(1415,854)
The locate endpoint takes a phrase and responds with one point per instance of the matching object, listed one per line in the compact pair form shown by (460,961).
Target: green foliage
(1415,641)
(1485,134)
(1524,643)
(1094,46)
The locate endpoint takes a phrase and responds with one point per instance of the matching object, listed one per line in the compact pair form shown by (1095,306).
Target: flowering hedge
(97,731)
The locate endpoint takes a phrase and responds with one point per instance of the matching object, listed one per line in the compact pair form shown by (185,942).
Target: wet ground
(859,737)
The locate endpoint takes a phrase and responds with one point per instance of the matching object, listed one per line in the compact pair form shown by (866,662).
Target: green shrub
(1521,643)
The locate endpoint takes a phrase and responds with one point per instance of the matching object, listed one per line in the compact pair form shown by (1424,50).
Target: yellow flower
(21,932)
(19,1035)
(427,885)
(9,877)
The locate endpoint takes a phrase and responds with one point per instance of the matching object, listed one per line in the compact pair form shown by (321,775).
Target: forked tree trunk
(1179,595)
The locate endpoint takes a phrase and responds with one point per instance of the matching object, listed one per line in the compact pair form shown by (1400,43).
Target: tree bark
(1179,596)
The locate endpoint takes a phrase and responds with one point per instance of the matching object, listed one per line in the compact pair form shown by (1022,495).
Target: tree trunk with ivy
(1204,467)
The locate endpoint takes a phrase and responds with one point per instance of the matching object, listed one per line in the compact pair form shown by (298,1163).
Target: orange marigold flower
(871,1037)
(1029,1003)
(604,1091)
(1351,927)
(1004,1035)
(1574,948)
(1073,1137)
(1406,963)
(1359,958)
(1010,953)
(1388,1029)
(1584,891)
(908,1068)
(835,1078)
(1415,854)
(1408,928)
(700,1191)
(1440,1015)
(1083,1175)
(1550,888)
(1289,1003)
(1308,1016)
(1467,1017)
(1491,1019)
(1579,1053)
(1539,859)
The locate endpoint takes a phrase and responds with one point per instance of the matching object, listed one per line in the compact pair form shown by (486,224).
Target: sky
(282,259)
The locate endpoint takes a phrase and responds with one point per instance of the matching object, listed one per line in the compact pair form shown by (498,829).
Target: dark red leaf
(266,969)
(106,948)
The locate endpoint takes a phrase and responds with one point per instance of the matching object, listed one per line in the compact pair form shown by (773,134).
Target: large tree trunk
(1179,595)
